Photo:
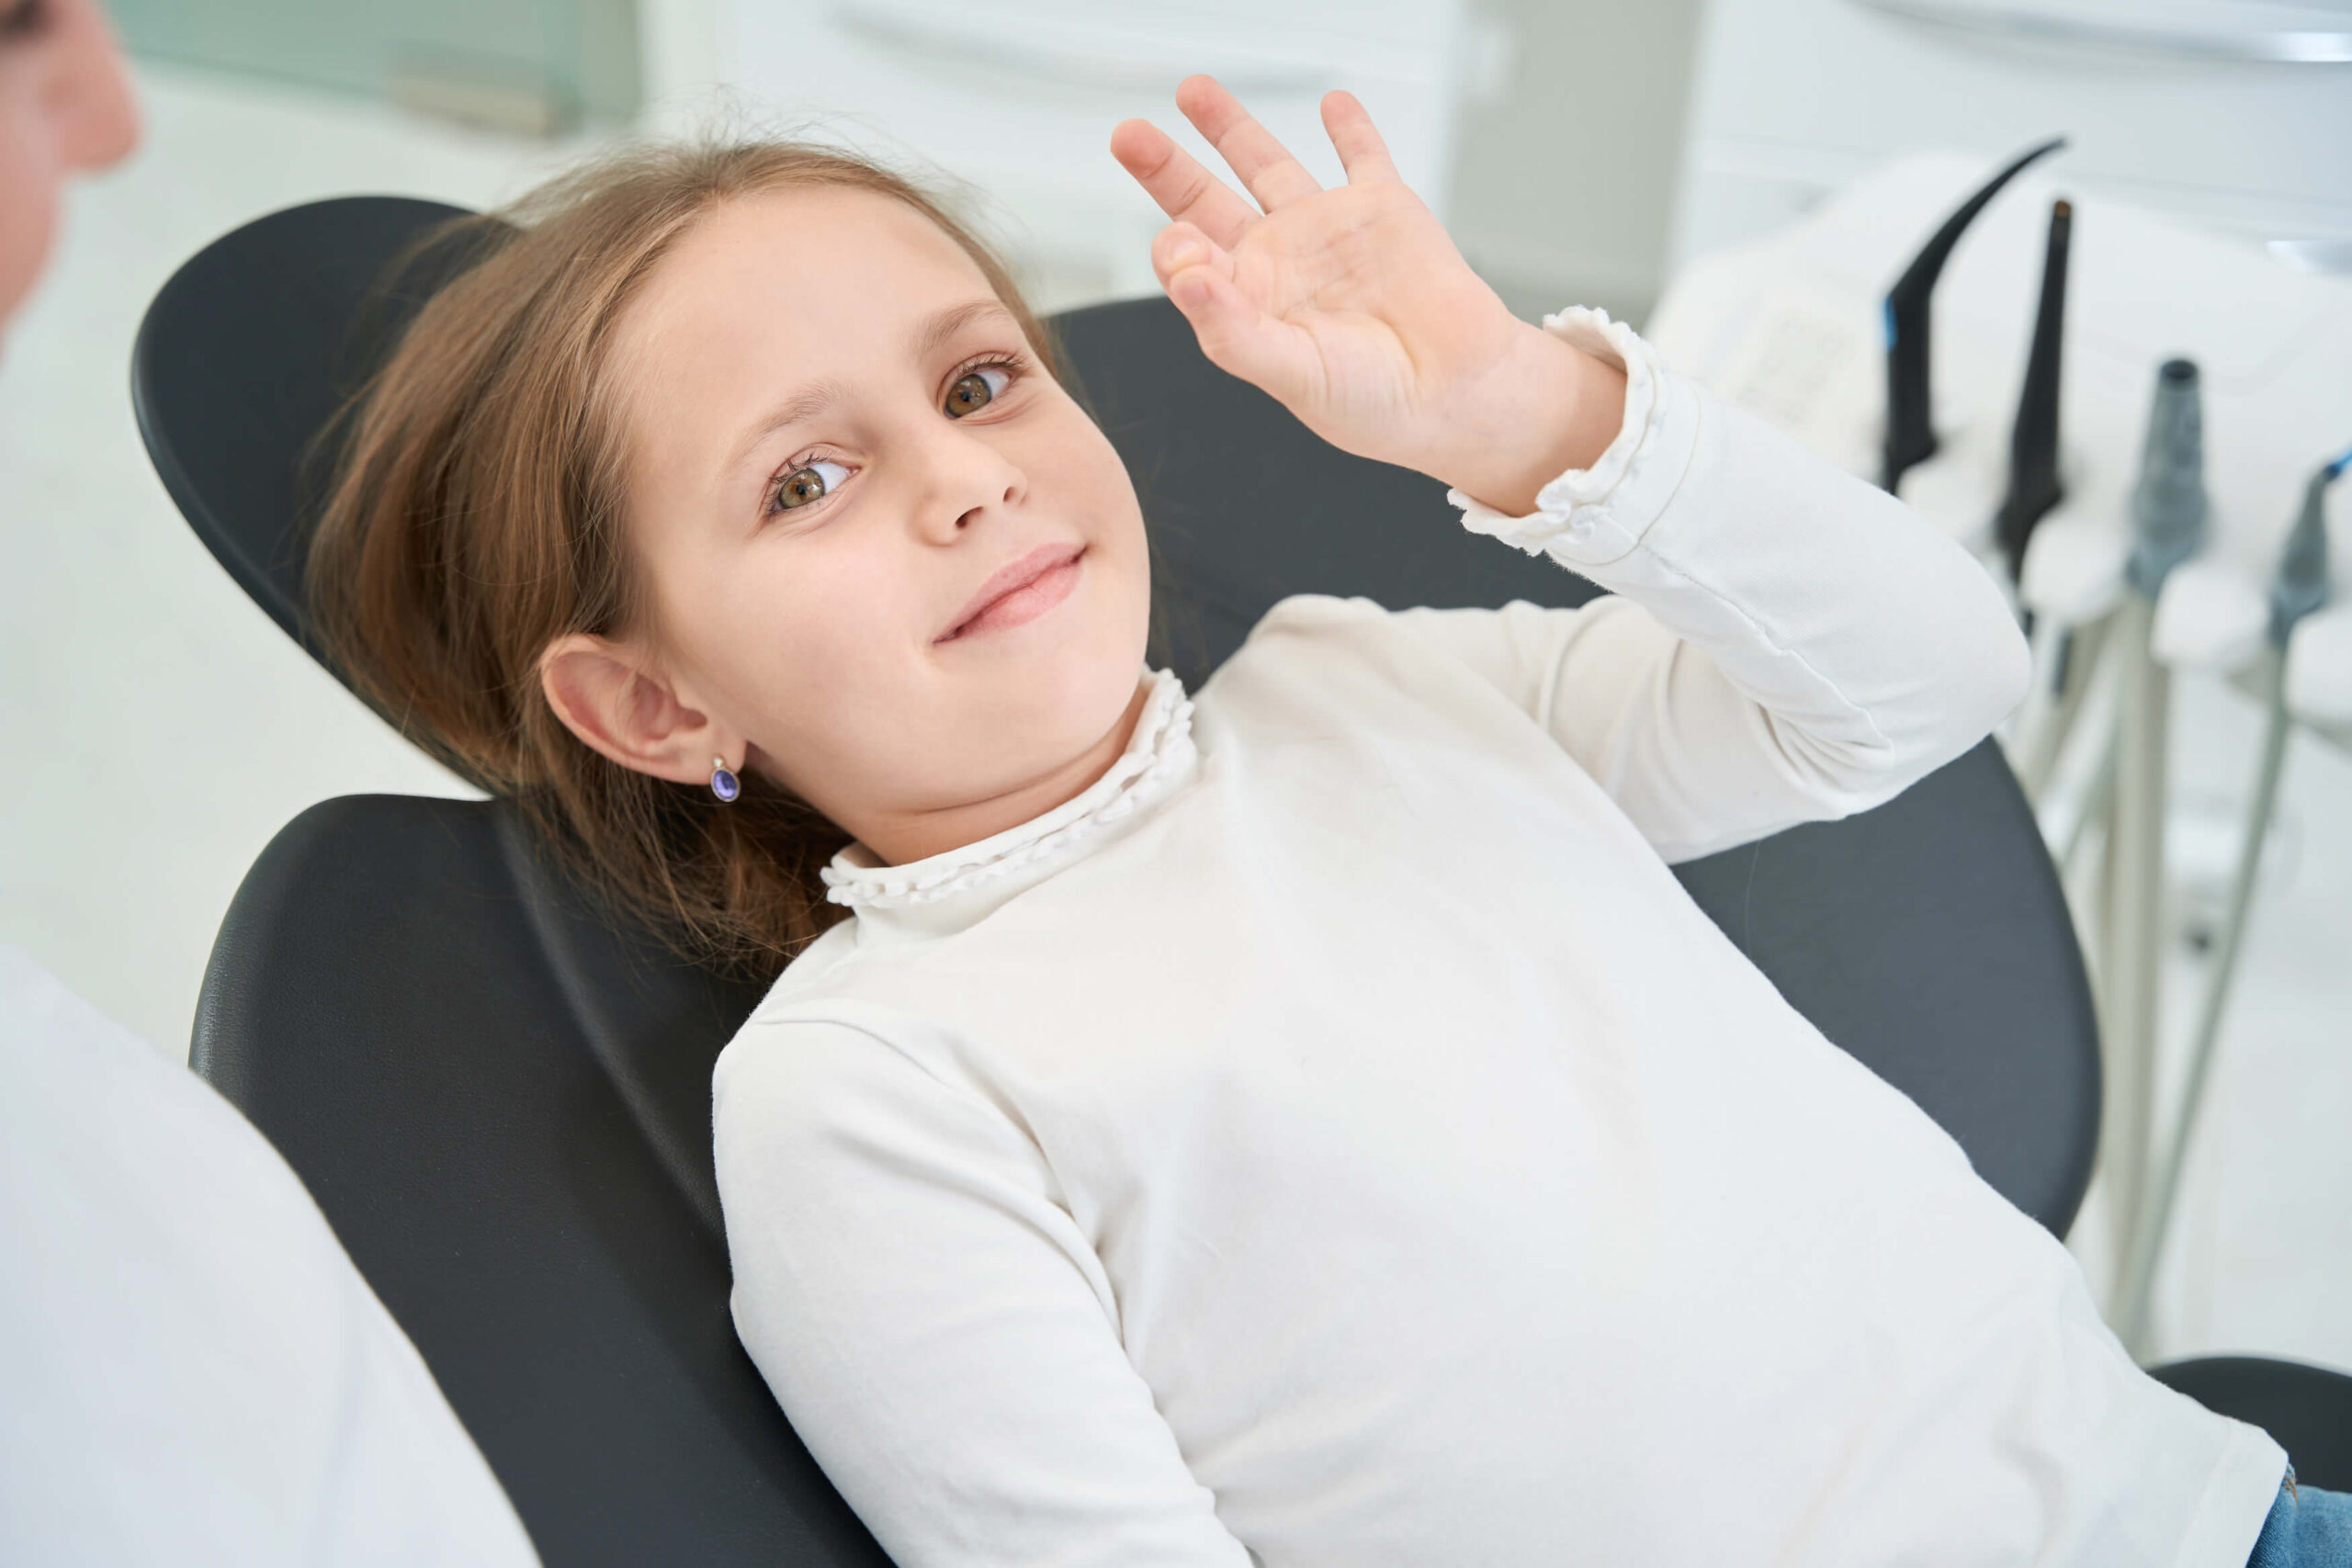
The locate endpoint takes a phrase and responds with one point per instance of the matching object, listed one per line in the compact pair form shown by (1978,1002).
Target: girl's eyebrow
(807,402)
(941,326)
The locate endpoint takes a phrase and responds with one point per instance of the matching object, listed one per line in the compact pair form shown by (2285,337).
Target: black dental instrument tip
(1910,425)
(2168,505)
(2034,487)
(2299,585)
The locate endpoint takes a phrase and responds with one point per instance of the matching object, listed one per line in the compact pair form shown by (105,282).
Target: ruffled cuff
(1592,516)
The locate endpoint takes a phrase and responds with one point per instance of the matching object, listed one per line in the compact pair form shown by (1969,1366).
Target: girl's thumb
(1233,333)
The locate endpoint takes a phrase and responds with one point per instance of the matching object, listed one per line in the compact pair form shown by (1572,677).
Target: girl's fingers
(1182,245)
(1173,178)
(1239,338)
(1264,164)
(1361,152)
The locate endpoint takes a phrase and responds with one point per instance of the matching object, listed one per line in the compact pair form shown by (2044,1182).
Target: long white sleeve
(1786,643)
(192,1372)
(933,1320)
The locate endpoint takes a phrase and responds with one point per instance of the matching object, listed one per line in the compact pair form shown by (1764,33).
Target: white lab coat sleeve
(933,1320)
(1786,643)
(192,1372)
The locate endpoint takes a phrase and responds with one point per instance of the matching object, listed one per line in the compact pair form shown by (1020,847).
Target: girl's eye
(808,482)
(22,20)
(976,388)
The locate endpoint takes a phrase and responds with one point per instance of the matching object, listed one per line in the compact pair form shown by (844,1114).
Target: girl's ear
(605,694)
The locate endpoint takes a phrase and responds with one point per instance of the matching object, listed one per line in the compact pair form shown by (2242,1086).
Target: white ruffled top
(1157,756)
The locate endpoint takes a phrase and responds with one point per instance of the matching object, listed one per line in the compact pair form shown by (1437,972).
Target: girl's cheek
(830,595)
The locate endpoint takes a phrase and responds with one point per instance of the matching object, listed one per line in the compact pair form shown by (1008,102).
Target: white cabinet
(2234,114)
(1018,97)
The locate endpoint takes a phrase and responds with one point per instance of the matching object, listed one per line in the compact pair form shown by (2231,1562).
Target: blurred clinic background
(1744,179)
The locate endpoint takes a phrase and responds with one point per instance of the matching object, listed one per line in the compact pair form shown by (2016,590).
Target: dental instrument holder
(2169,518)
(2298,588)
(1910,422)
(2170,511)
(2034,485)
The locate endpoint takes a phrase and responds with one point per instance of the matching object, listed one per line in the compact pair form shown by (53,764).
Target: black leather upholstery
(247,351)
(502,1101)
(503,1108)
(2308,1409)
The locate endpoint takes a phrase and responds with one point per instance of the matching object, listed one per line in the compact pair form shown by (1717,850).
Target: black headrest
(250,349)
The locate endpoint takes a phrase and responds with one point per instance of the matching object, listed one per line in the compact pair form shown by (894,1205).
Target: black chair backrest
(500,1096)
(2308,1409)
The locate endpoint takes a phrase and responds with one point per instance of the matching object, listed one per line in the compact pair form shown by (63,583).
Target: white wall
(1564,182)
(1565,155)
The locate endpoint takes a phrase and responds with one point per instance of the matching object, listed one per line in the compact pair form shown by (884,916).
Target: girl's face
(65,107)
(888,561)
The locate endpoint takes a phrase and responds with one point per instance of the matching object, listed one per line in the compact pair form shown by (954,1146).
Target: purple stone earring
(723,784)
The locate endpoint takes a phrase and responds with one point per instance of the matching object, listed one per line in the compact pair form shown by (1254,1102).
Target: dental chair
(500,1093)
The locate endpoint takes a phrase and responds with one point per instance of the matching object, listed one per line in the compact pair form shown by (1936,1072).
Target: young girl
(1301,1121)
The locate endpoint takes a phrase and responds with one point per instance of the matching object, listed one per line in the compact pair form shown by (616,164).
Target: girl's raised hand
(1352,308)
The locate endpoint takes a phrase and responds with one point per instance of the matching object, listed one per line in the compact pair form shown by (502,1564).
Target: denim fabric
(2307,1529)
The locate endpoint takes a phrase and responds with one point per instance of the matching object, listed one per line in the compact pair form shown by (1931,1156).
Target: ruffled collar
(1155,758)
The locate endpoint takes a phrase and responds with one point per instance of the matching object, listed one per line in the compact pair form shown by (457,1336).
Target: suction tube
(2168,505)
(2034,487)
(2169,514)
(1910,427)
(2298,588)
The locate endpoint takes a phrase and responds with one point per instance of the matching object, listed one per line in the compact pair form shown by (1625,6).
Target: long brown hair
(475,515)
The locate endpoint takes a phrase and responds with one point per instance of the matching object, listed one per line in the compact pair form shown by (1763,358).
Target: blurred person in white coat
(191,1370)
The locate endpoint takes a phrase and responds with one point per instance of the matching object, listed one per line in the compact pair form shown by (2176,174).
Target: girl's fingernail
(1184,255)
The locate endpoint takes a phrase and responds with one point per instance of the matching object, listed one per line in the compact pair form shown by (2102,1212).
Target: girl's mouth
(1020,592)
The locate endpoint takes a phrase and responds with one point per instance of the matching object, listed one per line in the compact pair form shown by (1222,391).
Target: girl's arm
(933,1320)
(1788,644)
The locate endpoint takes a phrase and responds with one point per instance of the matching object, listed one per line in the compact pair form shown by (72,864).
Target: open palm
(1350,306)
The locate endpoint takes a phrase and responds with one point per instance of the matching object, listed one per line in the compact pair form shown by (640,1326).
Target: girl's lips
(1021,591)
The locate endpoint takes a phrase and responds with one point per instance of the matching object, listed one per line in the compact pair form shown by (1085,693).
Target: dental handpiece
(1910,422)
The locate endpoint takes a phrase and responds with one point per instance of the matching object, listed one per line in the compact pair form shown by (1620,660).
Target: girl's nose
(968,479)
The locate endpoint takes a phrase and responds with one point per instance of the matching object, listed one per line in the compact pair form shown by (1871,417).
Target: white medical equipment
(1791,328)
(2298,588)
